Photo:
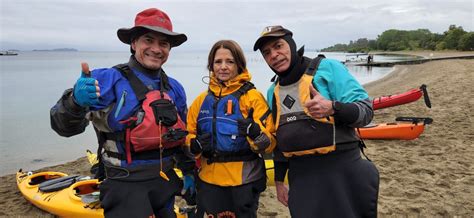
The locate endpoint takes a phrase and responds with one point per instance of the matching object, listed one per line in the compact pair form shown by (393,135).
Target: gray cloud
(92,25)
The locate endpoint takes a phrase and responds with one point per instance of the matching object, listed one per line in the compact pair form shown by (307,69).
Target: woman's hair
(234,49)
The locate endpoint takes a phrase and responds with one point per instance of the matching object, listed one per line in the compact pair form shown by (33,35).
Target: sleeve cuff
(70,104)
(347,114)
(280,170)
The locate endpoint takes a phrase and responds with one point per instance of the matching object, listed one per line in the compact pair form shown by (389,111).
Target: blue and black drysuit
(125,185)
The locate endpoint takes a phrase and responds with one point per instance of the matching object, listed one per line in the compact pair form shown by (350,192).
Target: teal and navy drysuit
(332,183)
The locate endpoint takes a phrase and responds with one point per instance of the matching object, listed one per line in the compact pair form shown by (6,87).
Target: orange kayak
(408,129)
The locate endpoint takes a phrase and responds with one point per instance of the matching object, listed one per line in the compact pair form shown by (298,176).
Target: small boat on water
(402,98)
(406,128)
(8,53)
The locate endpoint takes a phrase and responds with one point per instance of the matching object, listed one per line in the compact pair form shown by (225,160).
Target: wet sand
(431,176)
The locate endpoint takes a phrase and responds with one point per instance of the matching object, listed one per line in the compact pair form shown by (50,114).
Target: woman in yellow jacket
(227,133)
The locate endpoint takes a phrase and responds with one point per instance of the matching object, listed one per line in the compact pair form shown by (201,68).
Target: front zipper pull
(229,107)
(120,104)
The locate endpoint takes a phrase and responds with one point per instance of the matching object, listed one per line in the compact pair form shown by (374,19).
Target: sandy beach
(432,176)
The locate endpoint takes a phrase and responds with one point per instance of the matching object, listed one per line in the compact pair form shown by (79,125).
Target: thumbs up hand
(248,127)
(86,90)
(318,106)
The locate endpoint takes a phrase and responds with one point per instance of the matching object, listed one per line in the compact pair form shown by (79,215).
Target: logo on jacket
(289,101)
(204,112)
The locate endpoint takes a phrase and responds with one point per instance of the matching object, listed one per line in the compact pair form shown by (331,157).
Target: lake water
(32,82)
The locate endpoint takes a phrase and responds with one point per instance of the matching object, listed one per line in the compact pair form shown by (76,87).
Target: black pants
(333,185)
(140,198)
(234,201)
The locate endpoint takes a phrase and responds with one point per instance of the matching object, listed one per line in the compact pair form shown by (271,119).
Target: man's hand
(188,184)
(317,105)
(189,189)
(86,90)
(248,127)
(282,192)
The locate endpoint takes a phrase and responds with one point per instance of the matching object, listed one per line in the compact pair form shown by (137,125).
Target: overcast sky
(91,25)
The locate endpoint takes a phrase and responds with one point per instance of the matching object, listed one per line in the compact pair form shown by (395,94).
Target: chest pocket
(156,125)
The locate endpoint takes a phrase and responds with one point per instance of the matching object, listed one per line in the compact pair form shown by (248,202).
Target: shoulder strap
(247,86)
(274,109)
(313,68)
(164,81)
(313,65)
(264,116)
(243,89)
(137,85)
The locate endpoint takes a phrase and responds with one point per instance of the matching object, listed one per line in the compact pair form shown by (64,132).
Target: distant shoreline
(57,49)
(427,54)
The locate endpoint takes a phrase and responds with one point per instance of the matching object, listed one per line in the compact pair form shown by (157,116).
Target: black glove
(248,127)
(202,143)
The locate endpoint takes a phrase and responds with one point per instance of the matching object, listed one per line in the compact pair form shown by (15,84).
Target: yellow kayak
(74,200)
(92,157)
(64,203)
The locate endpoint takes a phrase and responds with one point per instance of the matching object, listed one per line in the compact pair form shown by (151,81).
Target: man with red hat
(139,115)
(316,104)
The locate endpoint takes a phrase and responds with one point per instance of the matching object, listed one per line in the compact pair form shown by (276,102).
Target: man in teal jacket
(316,104)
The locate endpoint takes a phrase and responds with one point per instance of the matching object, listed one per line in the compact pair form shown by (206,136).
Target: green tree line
(455,38)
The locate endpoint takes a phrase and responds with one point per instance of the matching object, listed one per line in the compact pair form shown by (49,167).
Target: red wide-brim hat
(155,20)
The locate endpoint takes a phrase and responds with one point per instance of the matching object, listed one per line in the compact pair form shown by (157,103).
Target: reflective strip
(219,118)
(322,150)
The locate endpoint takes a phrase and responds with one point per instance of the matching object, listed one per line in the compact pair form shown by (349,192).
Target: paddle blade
(425,96)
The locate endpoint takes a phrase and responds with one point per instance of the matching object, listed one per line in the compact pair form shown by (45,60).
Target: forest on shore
(455,38)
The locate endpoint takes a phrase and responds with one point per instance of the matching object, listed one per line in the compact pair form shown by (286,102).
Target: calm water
(33,81)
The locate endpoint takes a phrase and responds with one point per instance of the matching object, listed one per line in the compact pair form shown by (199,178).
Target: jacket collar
(219,88)
(133,63)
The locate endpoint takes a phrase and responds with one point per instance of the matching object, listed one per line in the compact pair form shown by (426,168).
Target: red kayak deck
(403,98)
(405,131)
(397,99)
